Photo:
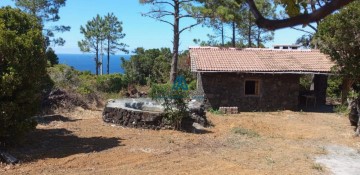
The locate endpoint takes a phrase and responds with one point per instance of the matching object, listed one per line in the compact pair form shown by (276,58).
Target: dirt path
(247,143)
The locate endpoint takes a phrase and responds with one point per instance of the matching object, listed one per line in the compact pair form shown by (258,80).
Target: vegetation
(299,12)
(179,9)
(102,34)
(147,66)
(113,35)
(337,37)
(246,132)
(46,11)
(174,102)
(51,57)
(65,77)
(215,111)
(22,68)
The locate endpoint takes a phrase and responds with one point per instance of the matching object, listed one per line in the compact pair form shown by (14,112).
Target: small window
(285,47)
(251,87)
(276,47)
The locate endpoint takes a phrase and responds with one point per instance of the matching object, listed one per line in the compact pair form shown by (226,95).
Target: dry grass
(248,143)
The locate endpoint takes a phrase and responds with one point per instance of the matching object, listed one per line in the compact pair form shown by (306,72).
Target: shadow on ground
(59,143)
(45,120)
(318,108)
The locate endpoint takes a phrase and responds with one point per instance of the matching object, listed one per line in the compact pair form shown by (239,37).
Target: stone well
(148,114)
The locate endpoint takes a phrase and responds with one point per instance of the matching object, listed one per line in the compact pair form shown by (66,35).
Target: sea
(86,62)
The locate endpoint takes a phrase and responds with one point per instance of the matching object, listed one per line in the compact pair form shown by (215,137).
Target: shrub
(109,83)
(22,68)
(214,111)
(64,76)
(334,86)
(174,102)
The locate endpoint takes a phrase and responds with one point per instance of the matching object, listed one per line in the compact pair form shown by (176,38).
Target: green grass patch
(246,132)
(215,111)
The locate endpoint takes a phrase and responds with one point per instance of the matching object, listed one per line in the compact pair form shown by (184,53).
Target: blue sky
(140,31)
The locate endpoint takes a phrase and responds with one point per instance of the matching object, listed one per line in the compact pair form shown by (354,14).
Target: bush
(216,112)
(109,83)
(174,102)
(22,68)
(334,86)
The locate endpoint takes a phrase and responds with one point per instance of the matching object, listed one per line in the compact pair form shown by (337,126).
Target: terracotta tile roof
(215,59)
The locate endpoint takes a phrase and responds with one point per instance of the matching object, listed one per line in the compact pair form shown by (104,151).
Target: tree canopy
(338,36)
(46,11)
(22,68)
(148,66)
(298,11)
(177,10)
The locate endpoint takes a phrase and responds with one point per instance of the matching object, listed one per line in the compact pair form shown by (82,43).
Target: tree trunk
(222,34)
(346,85)
(258,39)
(108,57)
(233,34)
(102,58)
(249,30)
(97,58)
(174,61)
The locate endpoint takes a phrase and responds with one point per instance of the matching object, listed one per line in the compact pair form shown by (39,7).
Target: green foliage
(113,34)
(306,81)
(192,85)
(46,11)
(147,66)
(341,109)
(22,68)
(234,13)
(215,111)
(246,132)
(51,57)
(338,36)
(84,82)
(109,83)
(102,34)
(64,76)
(174,102)
(334,86)
(94,34)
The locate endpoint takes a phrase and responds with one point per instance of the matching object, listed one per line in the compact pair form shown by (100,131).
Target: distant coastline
(85,62)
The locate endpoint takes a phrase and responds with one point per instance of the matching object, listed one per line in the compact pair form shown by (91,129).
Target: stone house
(258,79)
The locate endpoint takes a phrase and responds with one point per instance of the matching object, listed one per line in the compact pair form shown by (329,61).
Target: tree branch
(314,28)
(302,30)
(303,19)
(163,2)
(150,16)
(189,27)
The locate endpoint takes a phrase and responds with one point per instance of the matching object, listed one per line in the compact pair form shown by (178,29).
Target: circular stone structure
(148,114)
(139,113)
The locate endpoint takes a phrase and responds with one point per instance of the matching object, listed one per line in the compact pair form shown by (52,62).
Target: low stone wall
(133,118)
(129,114)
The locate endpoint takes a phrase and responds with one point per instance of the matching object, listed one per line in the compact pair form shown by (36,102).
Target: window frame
(257,87)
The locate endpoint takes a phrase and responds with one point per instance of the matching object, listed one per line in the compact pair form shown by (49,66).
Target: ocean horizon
(86,62)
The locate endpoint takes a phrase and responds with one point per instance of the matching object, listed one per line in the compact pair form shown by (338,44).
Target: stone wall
(277,91)
(132,113)
(133,118)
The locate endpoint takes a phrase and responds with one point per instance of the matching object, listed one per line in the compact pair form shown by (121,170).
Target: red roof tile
(215,59)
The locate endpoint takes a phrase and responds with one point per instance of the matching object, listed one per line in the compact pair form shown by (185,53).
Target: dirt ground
(284,143)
